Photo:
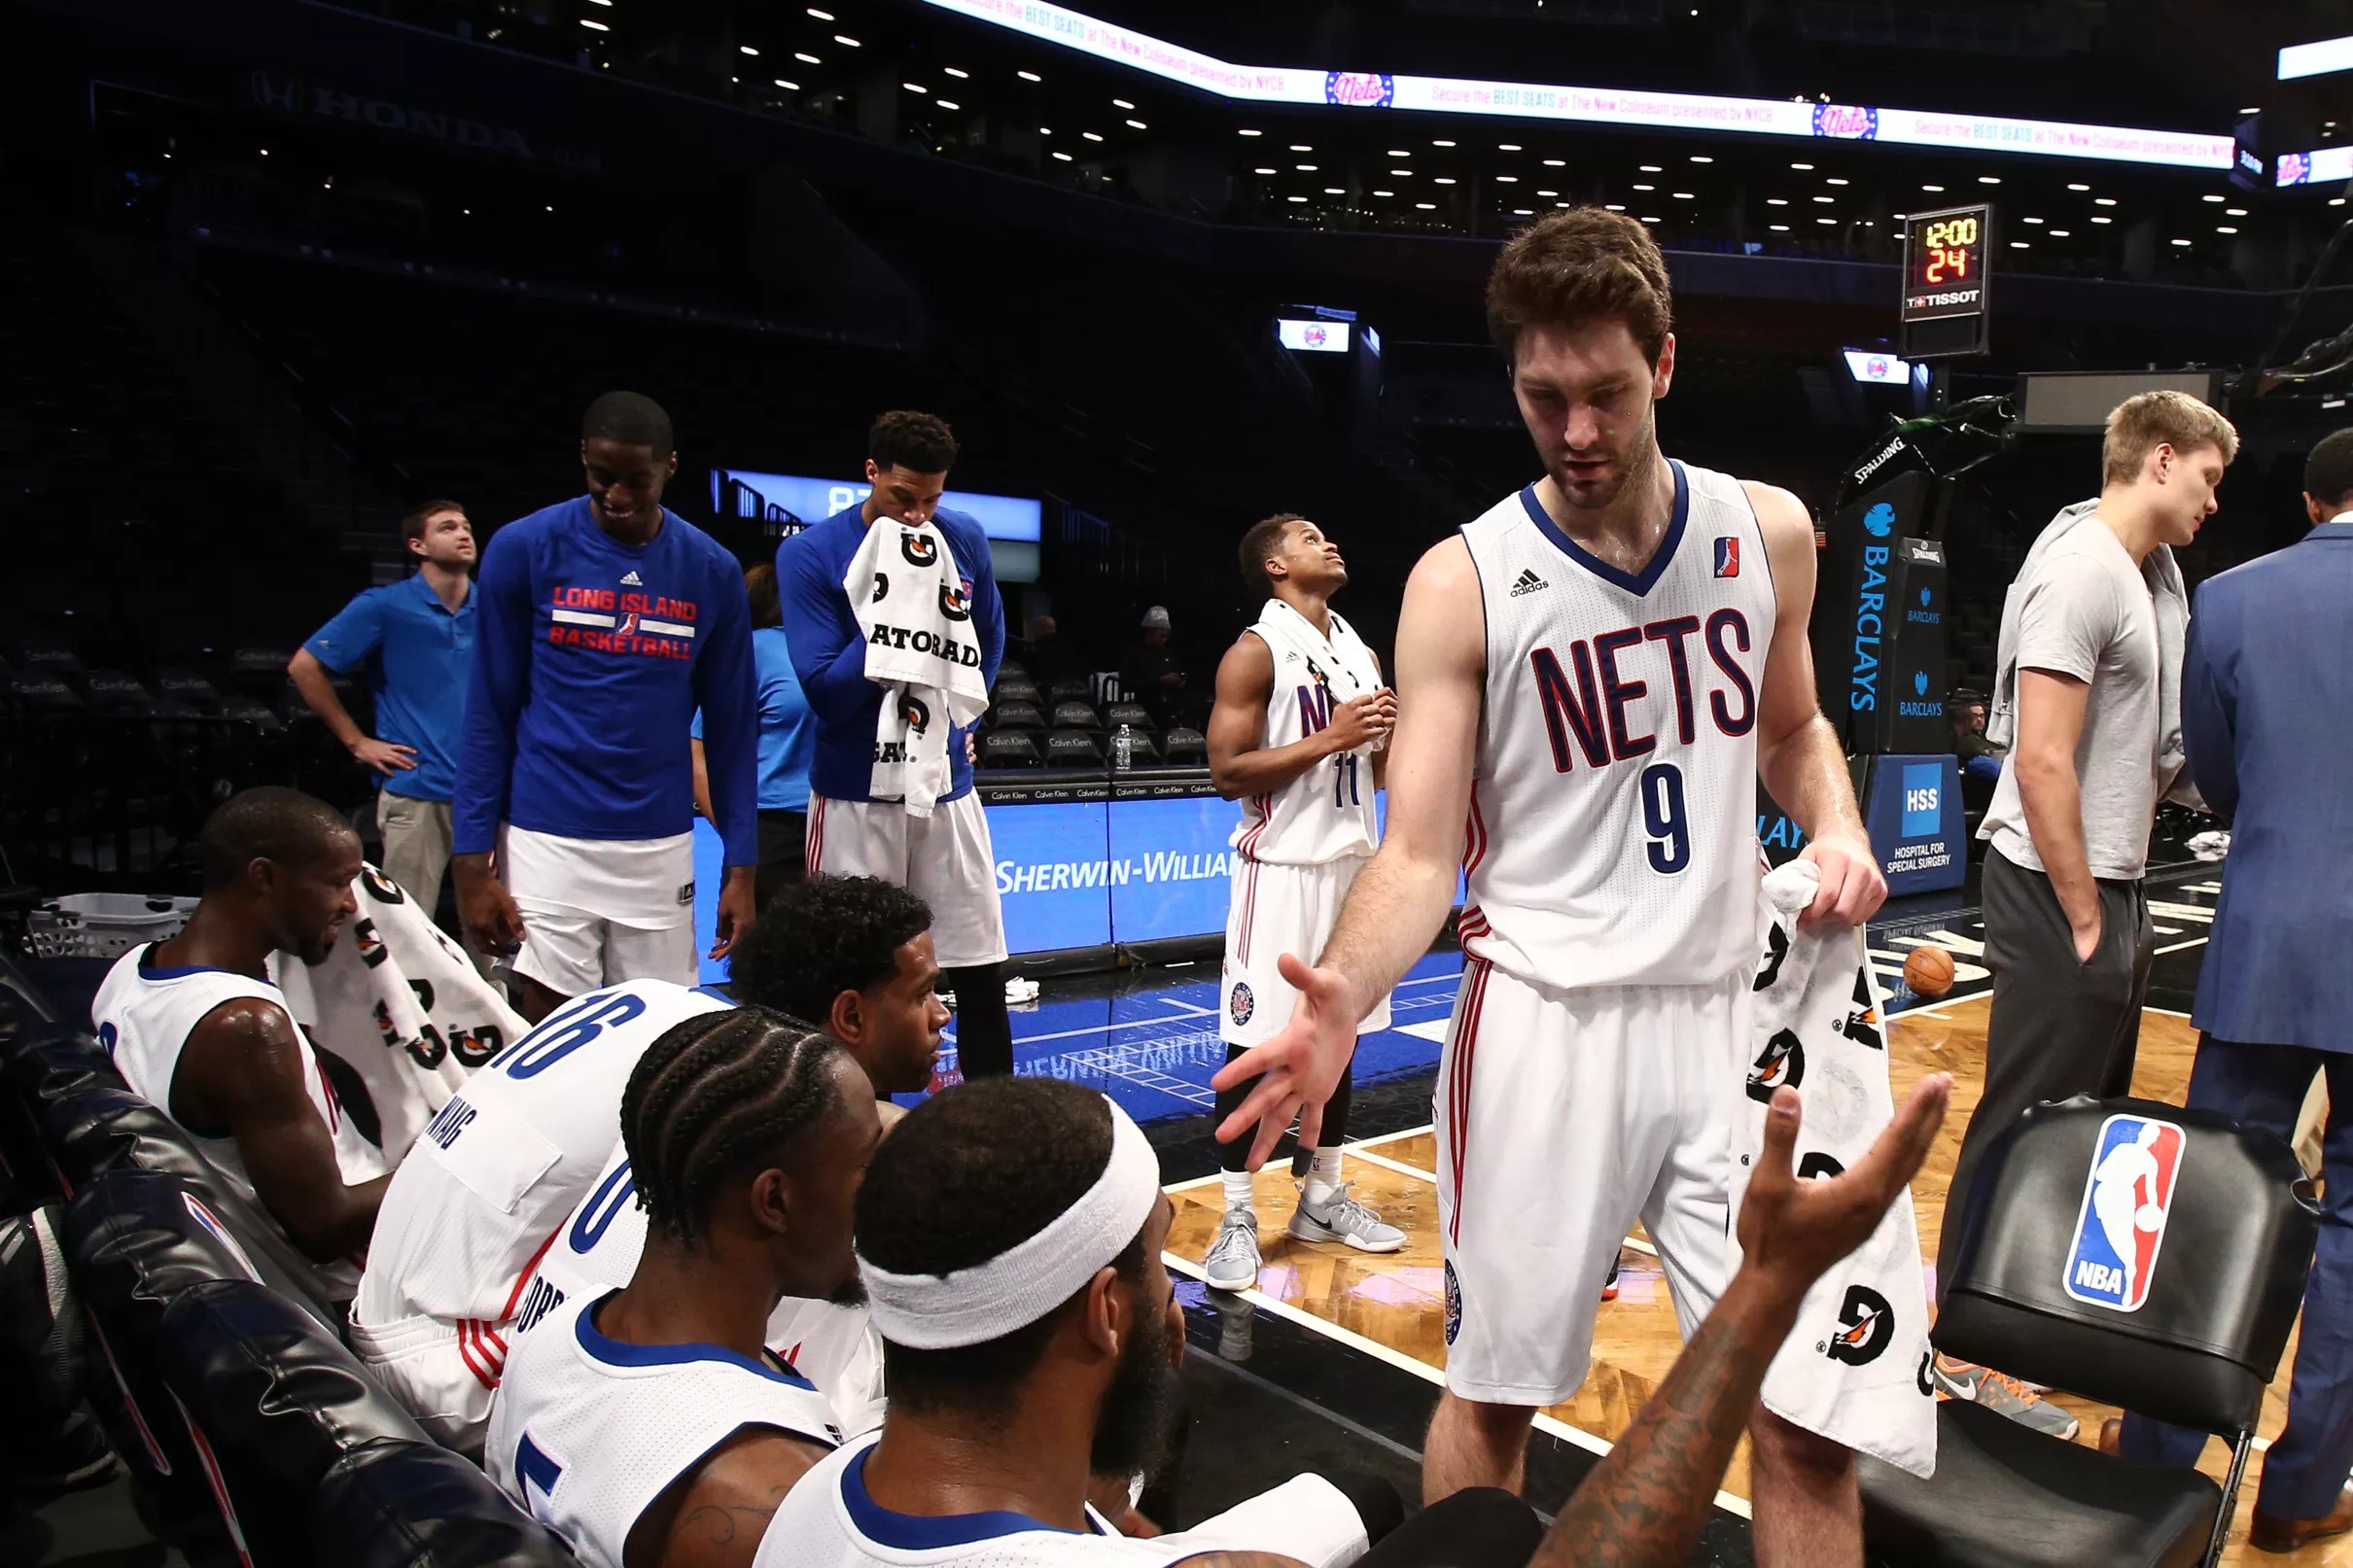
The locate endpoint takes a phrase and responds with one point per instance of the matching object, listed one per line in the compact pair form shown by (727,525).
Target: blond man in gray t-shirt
(2092,631)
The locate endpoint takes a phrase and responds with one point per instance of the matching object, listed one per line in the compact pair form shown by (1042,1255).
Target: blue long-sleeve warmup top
(590,657)
(831,657)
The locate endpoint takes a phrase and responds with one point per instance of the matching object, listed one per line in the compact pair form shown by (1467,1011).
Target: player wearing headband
(1009,1236)
(649,1426)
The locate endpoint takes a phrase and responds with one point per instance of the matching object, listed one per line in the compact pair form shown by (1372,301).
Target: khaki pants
(416,845)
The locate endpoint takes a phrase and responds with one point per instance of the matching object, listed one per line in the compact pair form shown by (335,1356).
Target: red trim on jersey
(1249,910)
(1459,1084)
(515,1297)
(813,838)
(1264,806)
(1474,834)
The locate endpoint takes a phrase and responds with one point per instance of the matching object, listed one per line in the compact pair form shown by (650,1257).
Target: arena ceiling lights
(1611,106)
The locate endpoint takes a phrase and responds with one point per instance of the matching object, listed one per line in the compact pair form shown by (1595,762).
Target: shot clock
(1946,259)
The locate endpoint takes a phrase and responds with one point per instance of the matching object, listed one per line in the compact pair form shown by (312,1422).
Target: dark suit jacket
(2268,718)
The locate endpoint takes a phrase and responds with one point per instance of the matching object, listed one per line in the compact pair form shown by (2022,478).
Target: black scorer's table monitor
(1948,261)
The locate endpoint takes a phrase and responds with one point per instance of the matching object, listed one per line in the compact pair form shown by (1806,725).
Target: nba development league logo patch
(2127,1199)
(1242,1004)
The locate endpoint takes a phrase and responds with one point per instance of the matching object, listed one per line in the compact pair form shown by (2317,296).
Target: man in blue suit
(2267,684)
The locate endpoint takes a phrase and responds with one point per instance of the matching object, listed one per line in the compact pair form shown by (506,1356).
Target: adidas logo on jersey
(1528,583)
(633,581)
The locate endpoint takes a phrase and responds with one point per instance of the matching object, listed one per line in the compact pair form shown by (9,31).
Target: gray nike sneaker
(1341,1218)
(2002,1394)
(1233,1260)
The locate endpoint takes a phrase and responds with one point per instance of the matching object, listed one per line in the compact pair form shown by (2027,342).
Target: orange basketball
(1928,971)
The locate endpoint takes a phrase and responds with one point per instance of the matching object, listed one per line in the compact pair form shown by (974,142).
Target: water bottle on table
(1123,749)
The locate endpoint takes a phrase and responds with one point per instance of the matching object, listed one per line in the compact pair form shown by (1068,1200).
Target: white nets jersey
(596,1250)
(144,1016)
(829,1520)
(1612,833)
(499,1168)
(588,1431)
(1327,813)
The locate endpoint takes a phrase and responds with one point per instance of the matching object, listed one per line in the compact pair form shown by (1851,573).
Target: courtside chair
(2130,1252)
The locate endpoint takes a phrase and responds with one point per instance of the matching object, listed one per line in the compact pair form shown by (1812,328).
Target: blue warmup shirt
(788,729)
(831,657)
(590,658)
(416,652)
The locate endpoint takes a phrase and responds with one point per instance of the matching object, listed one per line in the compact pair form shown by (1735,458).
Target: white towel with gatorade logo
(912,607)
(1855,1367)
(401,1004)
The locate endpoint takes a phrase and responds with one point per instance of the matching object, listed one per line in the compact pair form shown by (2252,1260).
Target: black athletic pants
(2058,1026)
(984,1033)
(1232,1156)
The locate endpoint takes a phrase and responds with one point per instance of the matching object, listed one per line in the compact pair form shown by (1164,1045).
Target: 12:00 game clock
(1948,261)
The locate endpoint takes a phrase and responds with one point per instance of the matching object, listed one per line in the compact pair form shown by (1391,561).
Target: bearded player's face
(1586,394)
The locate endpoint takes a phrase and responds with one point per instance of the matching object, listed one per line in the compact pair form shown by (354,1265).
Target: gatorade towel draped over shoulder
(830,653)
(1854,1368)
(590,658)
(916,618)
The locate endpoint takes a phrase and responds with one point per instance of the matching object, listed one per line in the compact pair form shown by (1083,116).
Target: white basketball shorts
(1564,1116)
(945,860)
(602,913)
(1279,909)
(442,1373)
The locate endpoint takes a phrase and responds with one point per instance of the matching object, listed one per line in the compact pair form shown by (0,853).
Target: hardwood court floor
(1397,1302)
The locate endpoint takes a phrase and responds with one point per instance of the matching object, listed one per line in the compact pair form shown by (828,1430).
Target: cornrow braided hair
(714,1094)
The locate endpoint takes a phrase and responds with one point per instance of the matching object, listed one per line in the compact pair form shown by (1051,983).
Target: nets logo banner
(1846,122)
(2127,1199)
(1359,89)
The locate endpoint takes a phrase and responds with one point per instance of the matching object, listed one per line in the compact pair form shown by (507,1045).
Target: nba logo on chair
(2122,1224)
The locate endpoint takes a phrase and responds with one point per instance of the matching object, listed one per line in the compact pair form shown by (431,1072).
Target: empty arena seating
(2221,1298)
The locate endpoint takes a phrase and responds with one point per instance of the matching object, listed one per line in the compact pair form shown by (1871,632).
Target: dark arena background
(280,272)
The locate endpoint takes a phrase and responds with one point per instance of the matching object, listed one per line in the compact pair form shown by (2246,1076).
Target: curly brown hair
(1580,265)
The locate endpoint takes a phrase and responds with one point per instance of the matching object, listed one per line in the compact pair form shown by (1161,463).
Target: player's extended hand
(1363,721)
(485,908)
(1297,1070)
(1794,1230)
(386,757)
(1852,886)
(737,910)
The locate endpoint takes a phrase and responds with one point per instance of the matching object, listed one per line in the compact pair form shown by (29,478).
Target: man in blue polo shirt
(415,636)
(607,620)
(945,858)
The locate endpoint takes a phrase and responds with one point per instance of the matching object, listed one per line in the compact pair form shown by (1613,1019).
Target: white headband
(1024,1282)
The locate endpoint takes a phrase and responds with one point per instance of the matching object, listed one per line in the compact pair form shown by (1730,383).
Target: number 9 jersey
(1612,830)
(484,1190)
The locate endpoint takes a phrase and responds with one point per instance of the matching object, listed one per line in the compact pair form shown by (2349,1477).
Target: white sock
(1323,1175)
(1237,1188)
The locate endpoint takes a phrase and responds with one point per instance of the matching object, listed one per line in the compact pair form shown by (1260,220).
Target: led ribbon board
(1612,106)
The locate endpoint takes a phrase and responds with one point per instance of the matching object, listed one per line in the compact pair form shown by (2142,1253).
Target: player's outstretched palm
(1796,1229)
(1297,1070)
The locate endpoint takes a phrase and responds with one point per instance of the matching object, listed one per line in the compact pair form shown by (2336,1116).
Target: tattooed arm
(716,1517)
(1643,1506)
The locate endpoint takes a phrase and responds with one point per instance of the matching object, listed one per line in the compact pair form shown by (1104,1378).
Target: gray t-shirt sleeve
(2068,620)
